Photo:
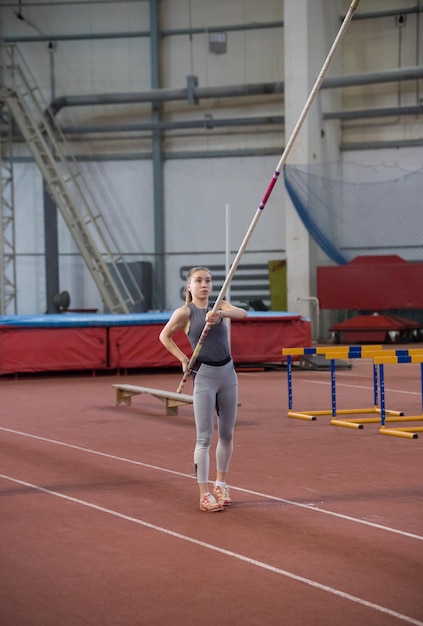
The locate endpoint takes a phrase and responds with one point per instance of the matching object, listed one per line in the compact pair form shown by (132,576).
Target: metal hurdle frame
(408,432)
(332,353)
(390,415)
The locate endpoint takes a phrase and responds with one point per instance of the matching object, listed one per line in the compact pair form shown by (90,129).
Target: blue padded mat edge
(73,320)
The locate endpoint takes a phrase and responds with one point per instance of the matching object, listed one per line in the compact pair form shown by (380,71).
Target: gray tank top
(216,345)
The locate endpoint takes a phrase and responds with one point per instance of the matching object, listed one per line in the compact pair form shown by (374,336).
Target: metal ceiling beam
(374,78)
(141,34)
(234,91)
(210,123)
(374,113)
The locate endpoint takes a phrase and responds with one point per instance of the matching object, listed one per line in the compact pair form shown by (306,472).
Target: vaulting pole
(228,260)
(272,183)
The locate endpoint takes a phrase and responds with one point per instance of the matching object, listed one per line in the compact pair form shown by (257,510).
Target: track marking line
(309,507)
(235,555)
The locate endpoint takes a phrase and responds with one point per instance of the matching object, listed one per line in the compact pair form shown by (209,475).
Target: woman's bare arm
(179,321)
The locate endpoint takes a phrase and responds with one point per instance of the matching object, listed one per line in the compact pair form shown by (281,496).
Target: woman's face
(200,284)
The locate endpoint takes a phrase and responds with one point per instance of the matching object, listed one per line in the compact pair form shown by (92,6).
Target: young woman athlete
(215,381)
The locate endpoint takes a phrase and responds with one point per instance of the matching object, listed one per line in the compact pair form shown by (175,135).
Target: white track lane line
(249,491)
(229,553)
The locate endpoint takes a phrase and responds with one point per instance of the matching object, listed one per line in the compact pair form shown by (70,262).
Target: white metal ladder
(66,184)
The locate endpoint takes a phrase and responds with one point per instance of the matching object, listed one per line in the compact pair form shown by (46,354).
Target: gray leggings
(214,388)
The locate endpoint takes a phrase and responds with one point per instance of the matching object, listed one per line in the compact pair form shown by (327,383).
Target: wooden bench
(172,399)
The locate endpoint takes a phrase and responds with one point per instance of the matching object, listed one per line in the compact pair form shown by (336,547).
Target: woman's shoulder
(180,316)
(182,311)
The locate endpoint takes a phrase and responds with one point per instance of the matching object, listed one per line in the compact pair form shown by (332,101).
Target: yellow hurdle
(415,355)
(331,353)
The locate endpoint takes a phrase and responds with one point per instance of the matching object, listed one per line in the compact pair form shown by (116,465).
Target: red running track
(99,518)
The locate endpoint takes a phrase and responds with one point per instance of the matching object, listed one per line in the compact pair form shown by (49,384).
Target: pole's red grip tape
(269,190)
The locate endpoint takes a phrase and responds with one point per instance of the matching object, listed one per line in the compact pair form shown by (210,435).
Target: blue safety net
(354,210)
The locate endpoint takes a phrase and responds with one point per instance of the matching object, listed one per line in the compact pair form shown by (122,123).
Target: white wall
(196,214)
(29,244)
(123,192)
(195,222)
(376,45)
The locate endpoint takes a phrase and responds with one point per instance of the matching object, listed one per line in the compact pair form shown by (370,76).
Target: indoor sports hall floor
(99,517)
